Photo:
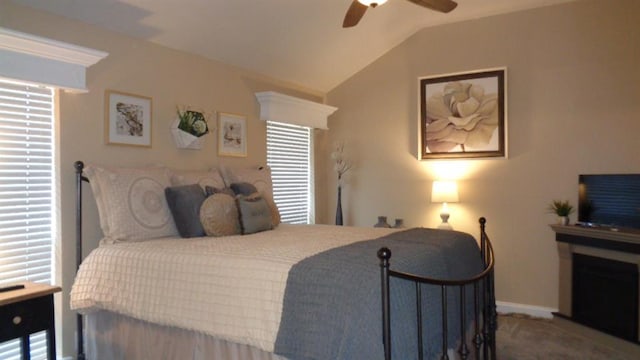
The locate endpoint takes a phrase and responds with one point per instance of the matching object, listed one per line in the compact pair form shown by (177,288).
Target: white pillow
(131,202)
(203,178)
(260,177)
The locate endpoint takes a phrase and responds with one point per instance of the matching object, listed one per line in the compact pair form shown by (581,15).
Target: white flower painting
(463,115)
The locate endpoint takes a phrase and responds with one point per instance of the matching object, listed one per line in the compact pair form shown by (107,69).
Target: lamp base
(444,225)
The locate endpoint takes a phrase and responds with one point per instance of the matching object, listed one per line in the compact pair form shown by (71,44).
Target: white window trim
(292,110)
(34,59)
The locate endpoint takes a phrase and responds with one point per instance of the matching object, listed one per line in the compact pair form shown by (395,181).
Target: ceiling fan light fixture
(372,3)
(358,8)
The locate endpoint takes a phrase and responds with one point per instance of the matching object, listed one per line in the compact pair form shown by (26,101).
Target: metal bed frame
(483,285)
(484,304)
(79,166)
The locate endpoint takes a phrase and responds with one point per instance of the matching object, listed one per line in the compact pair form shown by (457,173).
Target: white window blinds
(289,157)
(26,193)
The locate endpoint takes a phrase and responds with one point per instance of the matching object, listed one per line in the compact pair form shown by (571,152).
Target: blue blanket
(332,303)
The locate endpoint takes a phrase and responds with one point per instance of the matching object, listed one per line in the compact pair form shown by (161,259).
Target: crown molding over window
(288,109)
(36,59)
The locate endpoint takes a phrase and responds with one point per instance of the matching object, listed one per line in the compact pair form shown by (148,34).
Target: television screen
(609,200)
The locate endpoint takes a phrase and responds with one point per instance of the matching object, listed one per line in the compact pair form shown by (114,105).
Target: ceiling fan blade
(444,6)
(354,14)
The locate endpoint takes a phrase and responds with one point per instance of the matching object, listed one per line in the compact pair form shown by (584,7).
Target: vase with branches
(341,166)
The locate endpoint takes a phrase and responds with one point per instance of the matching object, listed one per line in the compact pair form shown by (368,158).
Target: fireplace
(605,295)
(599,279)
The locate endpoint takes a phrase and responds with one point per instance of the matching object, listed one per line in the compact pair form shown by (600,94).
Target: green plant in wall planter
(189,128)
(562,209)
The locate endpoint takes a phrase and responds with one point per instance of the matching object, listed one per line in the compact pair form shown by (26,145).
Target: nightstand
(27,311)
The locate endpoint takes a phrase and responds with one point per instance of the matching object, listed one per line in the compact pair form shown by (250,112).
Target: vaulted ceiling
(298,41)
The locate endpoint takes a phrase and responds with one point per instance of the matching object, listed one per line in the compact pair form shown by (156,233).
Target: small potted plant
(562,209)
(188,129)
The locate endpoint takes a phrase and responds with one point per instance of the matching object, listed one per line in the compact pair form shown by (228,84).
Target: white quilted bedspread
(229,287)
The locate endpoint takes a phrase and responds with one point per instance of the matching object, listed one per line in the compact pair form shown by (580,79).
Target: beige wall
(170,78)
(573,107)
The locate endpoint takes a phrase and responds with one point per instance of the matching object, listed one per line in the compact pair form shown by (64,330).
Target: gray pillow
(255,214)
(184,203)
(247,189)
(243,188)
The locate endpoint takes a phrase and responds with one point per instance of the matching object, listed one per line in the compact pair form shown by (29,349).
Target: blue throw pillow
(243,188)
(184,203)
(255,214)
(210,190)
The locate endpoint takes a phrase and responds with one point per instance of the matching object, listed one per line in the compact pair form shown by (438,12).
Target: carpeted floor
(525,338)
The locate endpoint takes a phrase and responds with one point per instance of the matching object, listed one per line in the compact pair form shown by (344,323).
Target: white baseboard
(535,311)
(67,358)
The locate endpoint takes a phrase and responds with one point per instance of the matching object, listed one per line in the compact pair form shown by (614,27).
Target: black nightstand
(27,311)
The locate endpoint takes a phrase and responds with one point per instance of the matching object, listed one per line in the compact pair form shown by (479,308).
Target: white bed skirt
(117,337)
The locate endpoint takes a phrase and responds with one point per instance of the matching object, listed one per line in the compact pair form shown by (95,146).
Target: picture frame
(463,115)
(232,135)
(127,119)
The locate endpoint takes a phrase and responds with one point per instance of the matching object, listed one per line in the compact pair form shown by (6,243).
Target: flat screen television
(611,200)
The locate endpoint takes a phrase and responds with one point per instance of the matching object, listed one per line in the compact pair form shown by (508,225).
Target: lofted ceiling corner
(297,41)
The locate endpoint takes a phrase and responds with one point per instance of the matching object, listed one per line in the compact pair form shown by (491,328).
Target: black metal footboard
(79,166)
(483,342)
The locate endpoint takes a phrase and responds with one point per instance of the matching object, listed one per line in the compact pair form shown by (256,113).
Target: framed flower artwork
(463,115)
(127,119)
(232,135)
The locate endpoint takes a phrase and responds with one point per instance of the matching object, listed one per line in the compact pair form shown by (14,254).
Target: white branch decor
(342,165)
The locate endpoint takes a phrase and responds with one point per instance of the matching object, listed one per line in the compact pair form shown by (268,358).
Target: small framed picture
(127,119)
(232,135)
(463,115)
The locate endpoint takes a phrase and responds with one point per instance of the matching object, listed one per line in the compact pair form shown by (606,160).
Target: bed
(289,292)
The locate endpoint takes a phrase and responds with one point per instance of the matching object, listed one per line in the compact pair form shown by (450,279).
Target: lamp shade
(444,192)
(372,2)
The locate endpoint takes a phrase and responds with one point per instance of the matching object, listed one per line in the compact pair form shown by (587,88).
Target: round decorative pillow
(219,215)
(275,213)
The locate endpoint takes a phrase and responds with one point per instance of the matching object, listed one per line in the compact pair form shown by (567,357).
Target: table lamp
(444,191)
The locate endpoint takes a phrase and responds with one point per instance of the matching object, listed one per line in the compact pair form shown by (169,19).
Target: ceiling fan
(359,7)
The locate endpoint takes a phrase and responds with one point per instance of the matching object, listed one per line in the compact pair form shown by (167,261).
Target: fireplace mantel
(630,240)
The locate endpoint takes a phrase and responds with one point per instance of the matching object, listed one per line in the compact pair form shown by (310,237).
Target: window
(26,193)
(289,156)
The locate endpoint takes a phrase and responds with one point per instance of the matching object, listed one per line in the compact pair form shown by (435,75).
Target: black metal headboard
(79,166)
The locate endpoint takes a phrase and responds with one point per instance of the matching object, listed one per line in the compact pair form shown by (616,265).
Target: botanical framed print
(127,119)
(463,115)
(232,135)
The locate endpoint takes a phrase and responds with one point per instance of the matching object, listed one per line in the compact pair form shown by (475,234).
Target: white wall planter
(183,139)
